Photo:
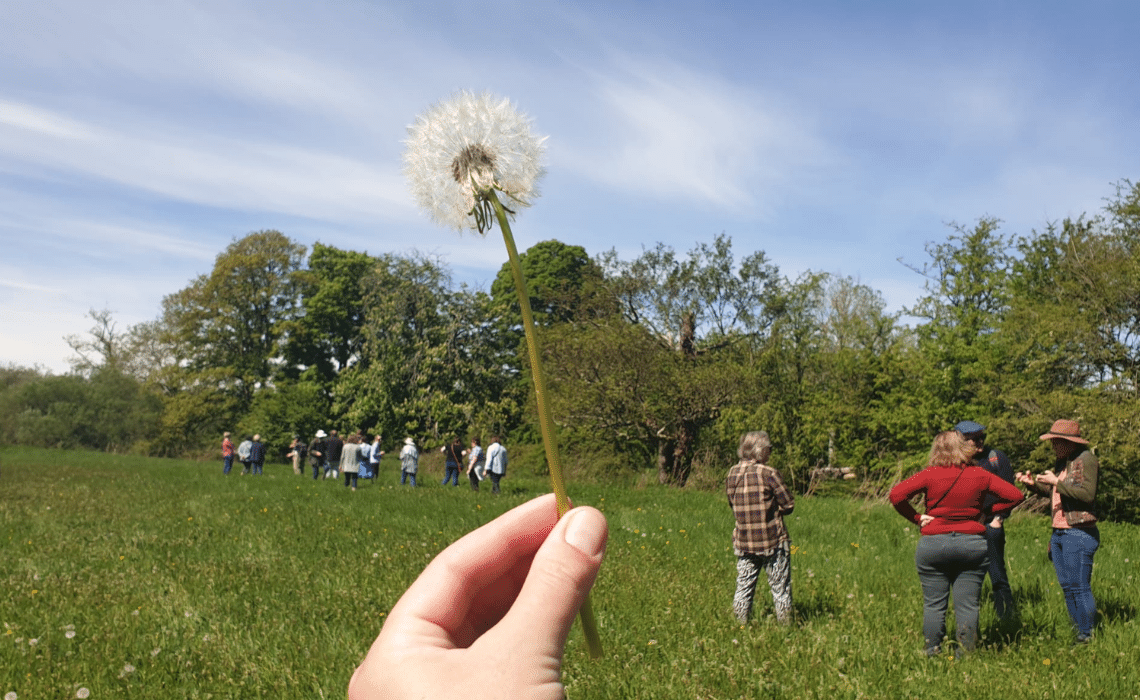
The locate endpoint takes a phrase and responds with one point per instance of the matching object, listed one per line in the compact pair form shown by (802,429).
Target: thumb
(560,577)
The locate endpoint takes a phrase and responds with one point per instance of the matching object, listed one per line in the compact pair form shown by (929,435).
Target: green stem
(545,422)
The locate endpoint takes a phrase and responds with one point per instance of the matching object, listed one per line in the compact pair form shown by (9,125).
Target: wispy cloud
(202,168)
(671,131)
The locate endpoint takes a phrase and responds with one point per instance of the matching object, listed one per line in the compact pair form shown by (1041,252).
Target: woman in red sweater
(952,553)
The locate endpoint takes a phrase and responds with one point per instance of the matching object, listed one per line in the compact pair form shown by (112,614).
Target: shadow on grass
(1115,611)
(816,608)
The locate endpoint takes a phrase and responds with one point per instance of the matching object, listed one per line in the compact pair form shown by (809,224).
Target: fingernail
(586,532)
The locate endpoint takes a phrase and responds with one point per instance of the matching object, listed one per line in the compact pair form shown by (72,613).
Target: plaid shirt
(759,501)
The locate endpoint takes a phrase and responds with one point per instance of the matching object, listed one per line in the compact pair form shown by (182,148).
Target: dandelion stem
(546,423)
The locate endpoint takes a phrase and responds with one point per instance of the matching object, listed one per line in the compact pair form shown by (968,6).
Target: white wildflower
(83,693)
(70,634)
(467,145)
(10,696)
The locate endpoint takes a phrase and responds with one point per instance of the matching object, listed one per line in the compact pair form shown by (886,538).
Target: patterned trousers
(777,565)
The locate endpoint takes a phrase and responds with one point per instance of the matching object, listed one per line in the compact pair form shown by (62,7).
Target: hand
(1024,477)
(996,523)
(924,520)
(1047,478)
(489,616)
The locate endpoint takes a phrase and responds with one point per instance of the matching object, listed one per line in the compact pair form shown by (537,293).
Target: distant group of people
(480,464)
(331,456)
(969,490)
(250,452)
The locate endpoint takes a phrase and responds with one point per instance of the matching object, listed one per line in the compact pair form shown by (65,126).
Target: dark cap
(969,427)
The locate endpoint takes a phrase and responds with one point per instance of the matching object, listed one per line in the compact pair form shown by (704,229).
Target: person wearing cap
(409,461)
(997,463)
(1071,488)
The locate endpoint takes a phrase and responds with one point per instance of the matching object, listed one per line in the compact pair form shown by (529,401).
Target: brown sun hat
(1066,430)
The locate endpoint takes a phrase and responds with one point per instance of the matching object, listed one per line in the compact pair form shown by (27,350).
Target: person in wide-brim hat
(1065,430)
(1071,488)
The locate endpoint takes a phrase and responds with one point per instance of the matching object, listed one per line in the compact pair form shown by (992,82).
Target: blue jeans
(227,464)
(257,467)
(999,579)
(404,477)
(495,481)
(957,562)
(1072,551)
(452,473)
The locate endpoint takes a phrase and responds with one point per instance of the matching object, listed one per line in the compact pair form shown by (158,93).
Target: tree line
(656,364)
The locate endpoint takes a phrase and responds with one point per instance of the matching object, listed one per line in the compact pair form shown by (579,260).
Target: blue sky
(138,139)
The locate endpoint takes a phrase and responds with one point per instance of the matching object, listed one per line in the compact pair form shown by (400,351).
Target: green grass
(177,582)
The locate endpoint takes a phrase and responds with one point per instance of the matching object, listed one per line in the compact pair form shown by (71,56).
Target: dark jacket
(334,447)
(1077,489)
(257,452)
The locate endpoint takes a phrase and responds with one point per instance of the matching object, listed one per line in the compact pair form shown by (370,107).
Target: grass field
(144,578)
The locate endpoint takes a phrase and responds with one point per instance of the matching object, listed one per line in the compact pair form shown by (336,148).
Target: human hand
(1047,478)
(996,522)
(924,520)
(489,616)
(1024,477)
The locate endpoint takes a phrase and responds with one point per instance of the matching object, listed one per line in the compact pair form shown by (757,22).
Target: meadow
(132,577)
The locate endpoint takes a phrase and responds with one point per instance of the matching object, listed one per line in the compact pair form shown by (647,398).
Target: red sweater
(960,510)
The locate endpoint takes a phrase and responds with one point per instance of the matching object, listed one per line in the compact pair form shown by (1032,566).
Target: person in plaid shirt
(759,501)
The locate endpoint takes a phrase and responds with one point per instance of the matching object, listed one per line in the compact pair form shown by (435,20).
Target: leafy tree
(562,280)
(222,337)
(233,319)
(967,299)
(698,303)
(327,335)
(431,365)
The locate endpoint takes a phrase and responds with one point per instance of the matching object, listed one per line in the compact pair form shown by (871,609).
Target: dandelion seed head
(11,696)
(465,145)
(82,693)
(70,634)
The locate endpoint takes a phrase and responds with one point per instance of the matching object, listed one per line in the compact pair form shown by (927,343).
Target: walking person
(374,455)
(362,456)
(475,464)
(297,454)
(1071,489)
(760,501)
(496,463)
(452,458)
(350,460)
(256,455)
(227,453)
(317,453)
(952,553)
(243,454)
(333,448)
(997,463)
(409,461)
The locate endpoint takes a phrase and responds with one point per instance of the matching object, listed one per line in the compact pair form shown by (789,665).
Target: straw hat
(1066,430)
